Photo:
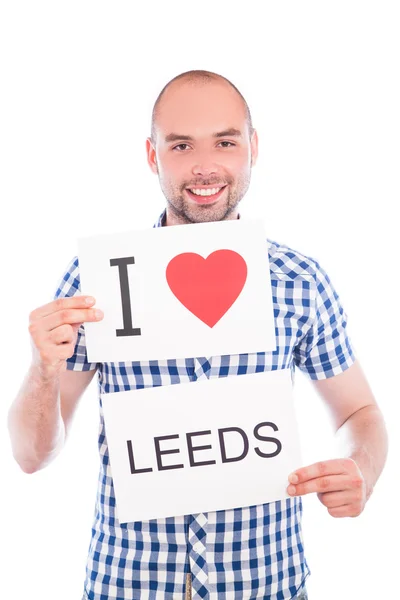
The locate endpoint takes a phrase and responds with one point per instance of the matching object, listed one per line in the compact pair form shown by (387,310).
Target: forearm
(34,421)
(363,437)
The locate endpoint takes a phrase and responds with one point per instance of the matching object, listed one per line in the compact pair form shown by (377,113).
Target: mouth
(202,198)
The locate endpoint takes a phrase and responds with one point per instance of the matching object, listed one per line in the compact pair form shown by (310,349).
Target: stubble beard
(186,212)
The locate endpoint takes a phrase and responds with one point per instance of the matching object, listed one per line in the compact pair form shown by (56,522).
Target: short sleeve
(325,349)
(70,286)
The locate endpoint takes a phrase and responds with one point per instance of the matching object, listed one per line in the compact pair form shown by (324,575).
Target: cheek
(173,170)
(238,163)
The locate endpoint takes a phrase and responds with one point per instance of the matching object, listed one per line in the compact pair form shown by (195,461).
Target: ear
(254,148)
(151,155)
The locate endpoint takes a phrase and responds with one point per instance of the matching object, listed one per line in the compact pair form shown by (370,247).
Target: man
(202,148)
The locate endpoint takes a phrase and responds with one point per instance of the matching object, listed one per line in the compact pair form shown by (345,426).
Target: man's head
(186,154)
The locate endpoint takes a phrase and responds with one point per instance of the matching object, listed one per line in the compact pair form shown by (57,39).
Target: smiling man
(203,147)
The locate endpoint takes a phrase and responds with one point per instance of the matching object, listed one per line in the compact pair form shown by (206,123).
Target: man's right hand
(54,328)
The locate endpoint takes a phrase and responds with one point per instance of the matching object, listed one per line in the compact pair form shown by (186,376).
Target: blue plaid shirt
(252,552)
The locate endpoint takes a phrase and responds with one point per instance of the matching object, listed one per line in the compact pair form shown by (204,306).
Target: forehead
(200,109)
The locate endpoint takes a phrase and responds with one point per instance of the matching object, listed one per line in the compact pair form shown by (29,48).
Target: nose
(205,167)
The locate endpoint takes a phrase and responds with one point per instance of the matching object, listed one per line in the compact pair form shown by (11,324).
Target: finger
(64,351)
(60,304)
(342,511)
(50,355)
(68,316)
(335,466)
(330,483)
(335,499)
(65,334)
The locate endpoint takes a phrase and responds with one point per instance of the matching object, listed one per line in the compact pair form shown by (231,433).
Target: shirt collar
(163,217)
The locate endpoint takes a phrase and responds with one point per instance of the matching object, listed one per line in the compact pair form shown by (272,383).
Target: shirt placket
(197,555)
(197,533)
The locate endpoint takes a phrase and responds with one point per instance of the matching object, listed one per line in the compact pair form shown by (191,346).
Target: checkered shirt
(248,553)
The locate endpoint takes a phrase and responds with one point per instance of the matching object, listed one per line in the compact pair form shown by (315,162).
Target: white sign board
(201,446)
(182,291)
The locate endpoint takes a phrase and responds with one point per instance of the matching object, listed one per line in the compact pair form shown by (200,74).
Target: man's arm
(41,414)
(42,411)
(345,484)
(360,428)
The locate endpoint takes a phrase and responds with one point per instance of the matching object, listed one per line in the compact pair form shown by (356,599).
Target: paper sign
(182,291)
(201,446)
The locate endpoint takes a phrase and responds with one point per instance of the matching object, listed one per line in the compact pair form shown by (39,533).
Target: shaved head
(202,147)
(200,78)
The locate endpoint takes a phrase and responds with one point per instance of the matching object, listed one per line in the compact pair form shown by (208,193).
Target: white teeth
(205,192)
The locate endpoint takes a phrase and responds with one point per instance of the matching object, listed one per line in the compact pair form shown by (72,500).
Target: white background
(79,80)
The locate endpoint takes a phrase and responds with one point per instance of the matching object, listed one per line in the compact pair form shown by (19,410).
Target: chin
(208,214)
(192,213)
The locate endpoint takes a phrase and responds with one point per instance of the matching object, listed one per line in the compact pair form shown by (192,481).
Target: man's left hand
(339,484)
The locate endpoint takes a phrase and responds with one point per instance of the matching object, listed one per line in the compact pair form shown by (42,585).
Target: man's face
(187,155)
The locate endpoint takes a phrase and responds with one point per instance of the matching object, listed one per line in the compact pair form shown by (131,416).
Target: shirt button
(198,546)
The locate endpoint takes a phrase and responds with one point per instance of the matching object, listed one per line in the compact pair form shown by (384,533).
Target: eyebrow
(232,132)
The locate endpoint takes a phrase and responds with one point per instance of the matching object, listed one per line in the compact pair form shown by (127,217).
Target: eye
(178,146)
(180,149)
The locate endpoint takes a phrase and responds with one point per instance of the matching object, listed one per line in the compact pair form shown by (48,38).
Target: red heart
(207,287)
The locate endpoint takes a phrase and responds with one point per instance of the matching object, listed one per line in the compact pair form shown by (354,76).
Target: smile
(205,196)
